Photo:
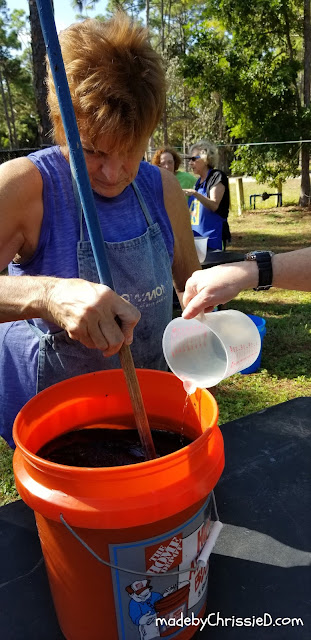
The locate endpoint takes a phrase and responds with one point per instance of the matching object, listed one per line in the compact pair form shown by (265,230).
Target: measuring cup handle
(200,316)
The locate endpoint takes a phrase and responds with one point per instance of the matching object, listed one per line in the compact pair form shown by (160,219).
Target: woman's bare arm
(213,202)
(217,285)
(87,311)
(185,255)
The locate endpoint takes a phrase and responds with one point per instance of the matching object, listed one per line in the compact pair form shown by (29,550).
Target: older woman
(209,206)
(117,85)
(169,159)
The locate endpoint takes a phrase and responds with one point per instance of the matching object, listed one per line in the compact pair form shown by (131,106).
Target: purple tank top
(121,219)
(56,251)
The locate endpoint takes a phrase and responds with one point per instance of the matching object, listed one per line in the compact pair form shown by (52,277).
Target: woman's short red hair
(116,81)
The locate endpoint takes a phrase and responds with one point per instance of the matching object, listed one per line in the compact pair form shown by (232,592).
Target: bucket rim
(42,464)
(260,318)
(123,496)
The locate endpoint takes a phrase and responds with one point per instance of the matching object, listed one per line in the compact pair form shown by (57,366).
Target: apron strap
(39,333)
(142,203)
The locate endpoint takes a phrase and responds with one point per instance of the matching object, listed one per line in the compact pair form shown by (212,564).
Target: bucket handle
(200,561)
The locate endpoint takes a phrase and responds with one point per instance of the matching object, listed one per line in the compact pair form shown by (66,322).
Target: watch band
(264,262)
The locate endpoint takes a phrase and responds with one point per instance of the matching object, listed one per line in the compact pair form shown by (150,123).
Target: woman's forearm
(219,284)
(207,202)
(91,313)
(292,270)
(24,297)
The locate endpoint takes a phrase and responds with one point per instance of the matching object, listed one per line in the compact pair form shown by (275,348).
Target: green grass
(290,194)
(8,492)
(277,229)
(285,371)
(286,355)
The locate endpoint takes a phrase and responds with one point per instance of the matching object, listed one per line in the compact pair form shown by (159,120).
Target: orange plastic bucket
(150,518)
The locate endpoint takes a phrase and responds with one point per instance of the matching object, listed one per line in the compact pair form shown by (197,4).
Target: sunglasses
(194,158)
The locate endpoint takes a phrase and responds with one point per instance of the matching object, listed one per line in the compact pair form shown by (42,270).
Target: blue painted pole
(80,174)
(77,160)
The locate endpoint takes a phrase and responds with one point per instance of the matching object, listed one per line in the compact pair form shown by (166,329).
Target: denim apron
(142,274)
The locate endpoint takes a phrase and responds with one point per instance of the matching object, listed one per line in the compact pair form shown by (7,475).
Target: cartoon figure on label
(141,607)
(194,208)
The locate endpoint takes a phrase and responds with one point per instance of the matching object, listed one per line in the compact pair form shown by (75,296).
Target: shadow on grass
(291,311)
(255,239)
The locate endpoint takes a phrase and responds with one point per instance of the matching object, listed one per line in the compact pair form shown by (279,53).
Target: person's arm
(217,285)
(89,312)
(213,202)
(185,255)
(21,210)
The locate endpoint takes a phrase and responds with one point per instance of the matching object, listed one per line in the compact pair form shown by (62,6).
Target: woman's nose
(168,166)
(111,167)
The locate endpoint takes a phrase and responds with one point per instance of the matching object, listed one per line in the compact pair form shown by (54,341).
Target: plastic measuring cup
(201,247)
(205,350)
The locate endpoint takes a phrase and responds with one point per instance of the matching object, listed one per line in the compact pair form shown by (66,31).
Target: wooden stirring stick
(139,411)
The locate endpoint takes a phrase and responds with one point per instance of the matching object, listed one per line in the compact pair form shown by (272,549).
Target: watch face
(266,255)
(259,253)
(264,263)
(252,255)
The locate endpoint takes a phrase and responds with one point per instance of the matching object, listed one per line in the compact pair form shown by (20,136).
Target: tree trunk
(151,148)
(305,153)
(5,107)
(184,146)
(164,122)
(12,114)
(39,71)
(290,46)
(147,13)
(164,118)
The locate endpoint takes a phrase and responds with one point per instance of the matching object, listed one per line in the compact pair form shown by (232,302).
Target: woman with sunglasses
(209,205)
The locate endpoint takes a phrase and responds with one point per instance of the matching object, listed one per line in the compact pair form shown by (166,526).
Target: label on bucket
(157,606)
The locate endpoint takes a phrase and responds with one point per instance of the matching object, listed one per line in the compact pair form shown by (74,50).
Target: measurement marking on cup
(242,353)
(194,343)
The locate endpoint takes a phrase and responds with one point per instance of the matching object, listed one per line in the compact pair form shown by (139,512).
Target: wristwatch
(264,264)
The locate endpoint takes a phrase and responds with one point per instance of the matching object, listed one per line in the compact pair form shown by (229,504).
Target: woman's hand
(217,285)
(91,313)
(190,192)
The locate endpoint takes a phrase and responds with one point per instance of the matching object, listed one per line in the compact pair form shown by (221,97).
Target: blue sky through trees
(64,13)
